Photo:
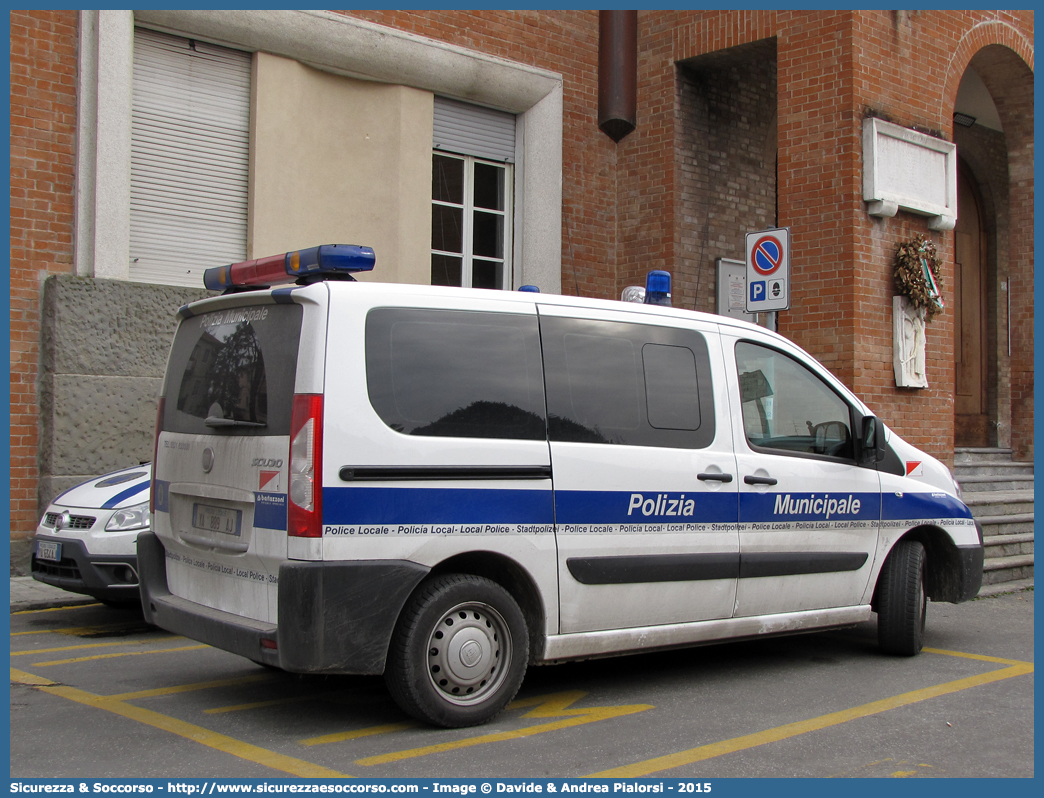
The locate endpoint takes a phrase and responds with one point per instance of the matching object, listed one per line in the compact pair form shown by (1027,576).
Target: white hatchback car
(86,541)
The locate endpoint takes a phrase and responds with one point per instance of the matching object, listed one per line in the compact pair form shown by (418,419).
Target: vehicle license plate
(216,519)
(48,550)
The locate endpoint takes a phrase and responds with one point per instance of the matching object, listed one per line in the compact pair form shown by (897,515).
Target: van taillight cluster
(304,509)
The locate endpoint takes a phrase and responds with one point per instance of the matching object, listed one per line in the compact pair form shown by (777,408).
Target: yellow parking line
(120,654)
(81,646)
(77,630)
(255,705)
(711,750)
(980,657)
(220,742)
(57,609)
(189,688)
(358,733)
(546,707)
(21,677)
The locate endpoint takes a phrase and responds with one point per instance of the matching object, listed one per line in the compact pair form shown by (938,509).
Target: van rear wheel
(902,600)
(459,651)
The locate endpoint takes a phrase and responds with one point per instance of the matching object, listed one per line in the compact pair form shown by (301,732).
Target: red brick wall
(833,69)
(43,127)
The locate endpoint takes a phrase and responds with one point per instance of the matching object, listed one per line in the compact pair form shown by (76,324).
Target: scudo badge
(208,460)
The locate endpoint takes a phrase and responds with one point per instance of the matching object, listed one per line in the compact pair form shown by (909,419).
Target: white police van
(448,485)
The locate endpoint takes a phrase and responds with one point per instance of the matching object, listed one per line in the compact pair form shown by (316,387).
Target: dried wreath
(918,275)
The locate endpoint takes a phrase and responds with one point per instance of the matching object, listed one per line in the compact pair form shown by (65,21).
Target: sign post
(768,270)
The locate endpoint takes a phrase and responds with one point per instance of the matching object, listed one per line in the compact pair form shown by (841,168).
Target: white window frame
(467,232)
(335,43)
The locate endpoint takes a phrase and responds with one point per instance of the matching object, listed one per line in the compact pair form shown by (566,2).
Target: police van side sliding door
(809,514)
(644,474)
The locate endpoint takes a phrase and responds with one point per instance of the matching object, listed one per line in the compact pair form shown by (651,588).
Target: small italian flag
(933,286)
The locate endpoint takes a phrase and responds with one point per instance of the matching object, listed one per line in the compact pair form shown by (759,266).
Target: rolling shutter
(189,158)
(473,130)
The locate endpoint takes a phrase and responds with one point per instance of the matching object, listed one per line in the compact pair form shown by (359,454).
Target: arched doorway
(972,425)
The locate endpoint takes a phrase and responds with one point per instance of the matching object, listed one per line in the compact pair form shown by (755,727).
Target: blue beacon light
(529,289)
(328,259)
(658,288)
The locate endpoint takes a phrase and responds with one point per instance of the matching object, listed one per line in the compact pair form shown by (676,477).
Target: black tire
(459,651)
(902,601)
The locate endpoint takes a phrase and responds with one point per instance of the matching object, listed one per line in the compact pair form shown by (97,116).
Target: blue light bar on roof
(328,259)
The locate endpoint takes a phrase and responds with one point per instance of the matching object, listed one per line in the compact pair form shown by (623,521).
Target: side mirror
(871,440)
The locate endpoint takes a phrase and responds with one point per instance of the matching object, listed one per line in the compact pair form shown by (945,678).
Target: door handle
(714,477)
(760,480)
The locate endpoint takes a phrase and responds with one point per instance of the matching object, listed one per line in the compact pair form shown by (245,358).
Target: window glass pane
(603,390)
(447,232)
(447,179)
(670,387)
(489,186)
(787,407)
(487,274)
(626,384)
(455,373)
(445,270)
(237,364)
(488,239)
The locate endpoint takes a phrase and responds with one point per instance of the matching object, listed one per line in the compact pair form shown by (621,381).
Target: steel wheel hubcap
(468,653)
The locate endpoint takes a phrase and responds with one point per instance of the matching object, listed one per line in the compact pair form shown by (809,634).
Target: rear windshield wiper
(214,421)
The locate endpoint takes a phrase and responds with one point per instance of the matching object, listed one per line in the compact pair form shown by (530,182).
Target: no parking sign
(768,270)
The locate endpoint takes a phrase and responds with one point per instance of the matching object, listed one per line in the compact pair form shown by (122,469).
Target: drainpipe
(617,72)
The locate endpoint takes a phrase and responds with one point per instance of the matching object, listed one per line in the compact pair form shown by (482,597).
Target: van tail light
(304,511)
(155,454)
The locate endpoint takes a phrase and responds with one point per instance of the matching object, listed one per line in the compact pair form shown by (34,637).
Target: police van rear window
(232,372)
(449,373)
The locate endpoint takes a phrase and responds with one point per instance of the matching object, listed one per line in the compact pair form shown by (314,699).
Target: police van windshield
(232,371)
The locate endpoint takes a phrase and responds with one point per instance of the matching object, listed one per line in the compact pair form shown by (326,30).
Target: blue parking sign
(768,270)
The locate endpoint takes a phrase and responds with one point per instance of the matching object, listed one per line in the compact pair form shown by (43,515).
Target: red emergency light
(326,260)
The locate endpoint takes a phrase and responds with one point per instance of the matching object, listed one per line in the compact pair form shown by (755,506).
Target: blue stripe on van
(756,508)
(367,505)
(123,495)
(643,507)
(901,506)
(436,506)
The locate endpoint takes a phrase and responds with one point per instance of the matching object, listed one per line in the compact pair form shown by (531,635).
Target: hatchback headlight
(136,517)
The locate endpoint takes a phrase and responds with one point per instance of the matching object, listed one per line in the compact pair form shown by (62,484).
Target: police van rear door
(223,448)
(645,488)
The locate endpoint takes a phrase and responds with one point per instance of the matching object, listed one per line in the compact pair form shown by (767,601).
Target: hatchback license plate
(48,550)
(216,519)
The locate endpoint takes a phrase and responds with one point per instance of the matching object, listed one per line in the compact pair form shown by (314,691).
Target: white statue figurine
(908,344)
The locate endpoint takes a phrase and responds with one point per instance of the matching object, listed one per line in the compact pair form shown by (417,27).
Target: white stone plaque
(913,171)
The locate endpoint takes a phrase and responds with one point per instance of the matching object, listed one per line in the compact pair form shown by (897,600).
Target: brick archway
(1003,58)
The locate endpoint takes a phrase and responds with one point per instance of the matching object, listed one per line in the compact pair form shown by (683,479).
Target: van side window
(787,408)
(629,384)
(451,373)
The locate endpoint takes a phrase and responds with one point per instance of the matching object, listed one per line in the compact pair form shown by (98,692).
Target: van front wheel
(459,652)
(902,600)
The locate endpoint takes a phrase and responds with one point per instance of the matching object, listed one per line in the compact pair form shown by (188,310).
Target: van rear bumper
(334,617)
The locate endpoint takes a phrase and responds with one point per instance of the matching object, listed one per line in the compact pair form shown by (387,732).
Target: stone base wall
(103,351)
